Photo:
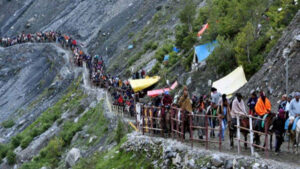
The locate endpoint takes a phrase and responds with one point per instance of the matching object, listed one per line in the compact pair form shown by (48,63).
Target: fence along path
(151,122)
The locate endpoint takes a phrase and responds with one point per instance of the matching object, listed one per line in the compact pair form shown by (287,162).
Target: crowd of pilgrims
(214,104)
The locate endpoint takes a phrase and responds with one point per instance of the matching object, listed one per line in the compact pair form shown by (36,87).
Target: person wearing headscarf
(185,102)
(263,105)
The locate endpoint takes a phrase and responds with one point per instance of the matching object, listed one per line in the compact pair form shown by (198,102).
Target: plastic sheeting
(202,30)
(141,84)
(154,93)
(232,82)
(203,51)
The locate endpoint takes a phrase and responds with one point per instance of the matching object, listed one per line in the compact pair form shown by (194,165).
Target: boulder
(256,166)
(176,161)
(188,81)
(72,157)
(228,164)
(158,8)
(216,161)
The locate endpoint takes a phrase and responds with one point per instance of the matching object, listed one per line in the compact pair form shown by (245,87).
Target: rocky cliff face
(32,78)
(99,25)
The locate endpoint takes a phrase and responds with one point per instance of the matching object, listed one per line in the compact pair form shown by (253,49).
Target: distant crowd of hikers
(218,106)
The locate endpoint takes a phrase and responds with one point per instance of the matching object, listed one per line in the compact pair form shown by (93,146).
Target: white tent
(232,82)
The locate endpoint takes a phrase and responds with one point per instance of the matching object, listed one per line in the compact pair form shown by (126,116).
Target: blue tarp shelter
(166,58)
(130,46)
(203,51)
(175,49)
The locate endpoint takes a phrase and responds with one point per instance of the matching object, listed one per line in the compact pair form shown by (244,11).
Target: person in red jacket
(120,100)
(167,100)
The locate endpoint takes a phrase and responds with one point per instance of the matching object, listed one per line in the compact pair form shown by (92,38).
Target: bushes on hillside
(16,141)
(11,157)
(26,141)
(8,123)
(3,150)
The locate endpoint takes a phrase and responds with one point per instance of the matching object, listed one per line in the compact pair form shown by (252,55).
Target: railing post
(220,133)
(147,119)
(266,139)
(172,122)
(238,132)
(182,126)
(251,135)
(151,119)
(206,131)
(161,120)
(191,128)
(143,120)
(177,123)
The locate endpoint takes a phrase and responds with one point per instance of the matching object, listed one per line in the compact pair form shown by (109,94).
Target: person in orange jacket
(263,105)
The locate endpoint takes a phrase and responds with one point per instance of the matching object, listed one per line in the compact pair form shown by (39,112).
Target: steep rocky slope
(32,78)
(271,77)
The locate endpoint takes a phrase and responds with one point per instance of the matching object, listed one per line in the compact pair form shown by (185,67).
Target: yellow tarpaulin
(232,82)
(140,84)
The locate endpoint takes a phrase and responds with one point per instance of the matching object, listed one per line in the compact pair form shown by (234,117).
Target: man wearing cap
(294,109)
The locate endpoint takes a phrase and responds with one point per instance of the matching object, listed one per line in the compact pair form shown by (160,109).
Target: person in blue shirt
(224,113)
(251,103)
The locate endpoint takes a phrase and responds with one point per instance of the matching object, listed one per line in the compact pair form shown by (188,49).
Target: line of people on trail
(218,106)
(49,36)
(121,91)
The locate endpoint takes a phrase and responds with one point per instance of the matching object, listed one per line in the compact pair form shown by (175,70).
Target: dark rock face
(28,71)
(99,25)
(24,73)
(271,77)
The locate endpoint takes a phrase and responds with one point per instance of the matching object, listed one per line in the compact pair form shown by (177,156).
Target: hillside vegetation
(245,30)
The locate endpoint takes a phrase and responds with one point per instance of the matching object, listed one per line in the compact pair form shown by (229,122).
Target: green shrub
(35,132)
(69,130)
(148,46)
(134,58)
(161,52)
(3,150)
(173,58)
(131,34)
(11,158)
(16,141)
(46,126)
(26,141)
(119,132)
(155,68)
(154,45)
(8,123)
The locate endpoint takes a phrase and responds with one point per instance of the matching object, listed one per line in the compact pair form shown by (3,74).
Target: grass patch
(116,158)
(69,101)
(50,155)
(8,124)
